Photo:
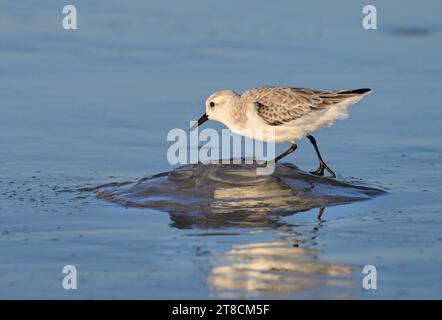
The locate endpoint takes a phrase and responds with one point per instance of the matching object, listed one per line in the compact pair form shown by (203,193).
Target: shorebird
(293,113)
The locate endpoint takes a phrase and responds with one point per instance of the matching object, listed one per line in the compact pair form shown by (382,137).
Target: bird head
(218,107)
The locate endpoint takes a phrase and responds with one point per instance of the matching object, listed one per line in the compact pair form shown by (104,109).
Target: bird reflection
(273,268)
(281,267)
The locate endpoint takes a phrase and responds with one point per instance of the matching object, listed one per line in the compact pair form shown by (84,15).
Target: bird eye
(212,104)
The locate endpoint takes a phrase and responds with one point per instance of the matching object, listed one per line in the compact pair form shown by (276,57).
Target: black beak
(201,120)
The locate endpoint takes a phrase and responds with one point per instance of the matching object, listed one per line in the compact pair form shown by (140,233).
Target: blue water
(94,105)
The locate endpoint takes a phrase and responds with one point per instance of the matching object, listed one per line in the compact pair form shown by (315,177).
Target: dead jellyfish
(217,194)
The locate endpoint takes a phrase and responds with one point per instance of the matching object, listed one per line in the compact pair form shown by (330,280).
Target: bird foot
(320,171)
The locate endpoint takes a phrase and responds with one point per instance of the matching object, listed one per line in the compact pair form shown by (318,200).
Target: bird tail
(335,97)
(356,95)
(362,91)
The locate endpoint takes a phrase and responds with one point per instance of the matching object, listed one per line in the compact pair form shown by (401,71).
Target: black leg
(321,211)
(287,152)
(322,164)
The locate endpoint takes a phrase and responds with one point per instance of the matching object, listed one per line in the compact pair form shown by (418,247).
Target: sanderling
(292,113)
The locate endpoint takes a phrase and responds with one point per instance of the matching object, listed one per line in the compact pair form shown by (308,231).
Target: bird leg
(287,152)
(322,164)
(321,211)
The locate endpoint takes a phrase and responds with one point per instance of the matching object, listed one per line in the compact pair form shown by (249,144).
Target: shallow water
(93,106)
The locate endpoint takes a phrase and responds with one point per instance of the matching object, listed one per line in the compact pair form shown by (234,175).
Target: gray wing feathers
(278,105)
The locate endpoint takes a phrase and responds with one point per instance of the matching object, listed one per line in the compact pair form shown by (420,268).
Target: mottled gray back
(278,105)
